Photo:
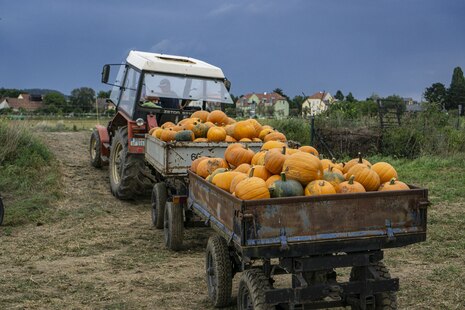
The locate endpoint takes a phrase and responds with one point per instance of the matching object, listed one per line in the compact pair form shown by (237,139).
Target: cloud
(167,46)
(223,9)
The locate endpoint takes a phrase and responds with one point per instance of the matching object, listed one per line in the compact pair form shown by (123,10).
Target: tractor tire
(252,287)
(95,150)
(218,271)
(173,226)
(383,301)
(158,204)
(129,176)
(2,211)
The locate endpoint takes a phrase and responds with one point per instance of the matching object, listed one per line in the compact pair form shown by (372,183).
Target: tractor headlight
(140,122)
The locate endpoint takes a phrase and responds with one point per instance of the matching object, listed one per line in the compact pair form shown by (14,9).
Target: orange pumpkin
(274,160)
(167,135)
(244,168)
(244,129)
(196,162)
(393,185)
(256,125)
(231,120)
(209,124)
(223,180)
(238,155)
(259,158)
(229,130)
(202,115)
(275,136)
(385,171)
(178,128)
(168,125)
(252,188)
(214,173)
(229,139)
(272,179)
(245,140)
(303,167)
(355,161)
(319,187)
(260,171)
(273,145)
(201,140)
(236,180)
(264,132)
(157,132)
(216,134)
(350,186)
(365,176)
(291,151)
(218,117)
(309,149)
(326,163)
(209,165)
(256,140)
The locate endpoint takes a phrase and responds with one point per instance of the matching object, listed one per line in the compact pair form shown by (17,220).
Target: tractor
(149,90)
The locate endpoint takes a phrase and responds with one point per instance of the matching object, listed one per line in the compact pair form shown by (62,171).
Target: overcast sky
(360,46)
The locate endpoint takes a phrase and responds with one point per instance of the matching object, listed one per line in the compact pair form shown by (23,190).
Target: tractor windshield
(184,87)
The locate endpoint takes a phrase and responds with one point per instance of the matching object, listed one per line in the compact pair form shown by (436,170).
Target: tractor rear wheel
(95,150)
(129,176)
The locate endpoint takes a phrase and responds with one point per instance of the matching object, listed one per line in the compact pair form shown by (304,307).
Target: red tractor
(150,89)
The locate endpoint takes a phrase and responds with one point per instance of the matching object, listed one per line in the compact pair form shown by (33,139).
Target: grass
(71,124)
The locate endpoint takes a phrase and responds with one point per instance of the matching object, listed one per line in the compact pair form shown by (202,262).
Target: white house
(316,103)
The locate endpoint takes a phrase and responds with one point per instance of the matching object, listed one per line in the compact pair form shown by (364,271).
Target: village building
(262,105)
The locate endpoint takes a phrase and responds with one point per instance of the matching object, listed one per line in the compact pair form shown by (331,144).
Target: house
(316,103)
(263,105)
(27,102)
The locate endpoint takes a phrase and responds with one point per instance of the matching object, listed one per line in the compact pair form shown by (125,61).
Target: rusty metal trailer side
(296,226)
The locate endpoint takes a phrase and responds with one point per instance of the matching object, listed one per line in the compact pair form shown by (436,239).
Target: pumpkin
(190,123)
(291,151)
(196,162)
(260,171)
(229,139)
(319,187)
(264,132)
(333,177)
(178,128)
(200,130)
(326,163)
(252,188)
(385,171)
(216,134)
(209,124)
(275,136)
(236,156)
(245,140)
(201,140)
(218,117)
(393,185)
(350,186)
(209,165)
(285,188)
(274,160)
(273,145)
(303,167)
(355,161)
(309,149)
(185,135)
(256,140)
(231,121)
(202,115)
(184,121)
(259,158)
(167,135)
(272,179)
(210,177)
(244,129)
(229,130)
(244,168)
(168,125)
(238,178)
(267,127)
(256,125)
(157,132)
(152,130)
(365,176)
(223,180)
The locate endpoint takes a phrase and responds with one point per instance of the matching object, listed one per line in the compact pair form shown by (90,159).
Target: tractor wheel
(158,204)
(383,301)
(129,176)
(173,226)
(252,287)
(95,150)
(2,211)
(218,271)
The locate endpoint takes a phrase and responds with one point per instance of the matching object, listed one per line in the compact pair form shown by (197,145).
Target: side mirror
(105,74)
(227,84)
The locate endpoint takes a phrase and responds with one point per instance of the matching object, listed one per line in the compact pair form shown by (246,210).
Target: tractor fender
(104,140)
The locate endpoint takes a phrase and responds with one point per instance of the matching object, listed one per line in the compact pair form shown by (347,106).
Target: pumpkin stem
(283,176)
(284,150)
(251,172)
(330,168)
(351,179)
(333,160)
(360,160)
(321,183)
(393,181)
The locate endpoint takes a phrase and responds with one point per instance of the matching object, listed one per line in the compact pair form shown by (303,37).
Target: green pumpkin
(333,177)
(184,135)
(200,130)
(286,188)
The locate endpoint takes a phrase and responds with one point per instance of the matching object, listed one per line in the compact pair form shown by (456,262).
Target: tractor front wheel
(95,150)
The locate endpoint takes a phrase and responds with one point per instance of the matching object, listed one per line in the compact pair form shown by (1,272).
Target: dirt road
(97,251)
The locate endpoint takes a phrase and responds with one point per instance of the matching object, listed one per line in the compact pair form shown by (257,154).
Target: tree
(55,103)
(436,93)
(82,99)
(339,95)
(296,104)
(456,91)
(350,98)
(103,94)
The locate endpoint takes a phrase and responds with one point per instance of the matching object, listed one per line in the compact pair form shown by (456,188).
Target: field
(88,250)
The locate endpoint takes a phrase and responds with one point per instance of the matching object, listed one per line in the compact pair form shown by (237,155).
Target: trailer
(307,238)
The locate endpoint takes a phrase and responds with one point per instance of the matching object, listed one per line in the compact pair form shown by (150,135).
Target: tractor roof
(173,64)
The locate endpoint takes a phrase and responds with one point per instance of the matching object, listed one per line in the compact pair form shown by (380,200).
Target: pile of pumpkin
(278,171)
(215,126)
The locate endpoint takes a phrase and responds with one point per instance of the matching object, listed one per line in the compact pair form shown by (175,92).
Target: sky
(366,47)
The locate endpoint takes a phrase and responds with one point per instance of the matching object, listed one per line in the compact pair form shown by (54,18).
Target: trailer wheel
(158,204)
(95,150)
(383,301)
(218,271)
(2,211)
(173,226)
(129,176)
(252,287)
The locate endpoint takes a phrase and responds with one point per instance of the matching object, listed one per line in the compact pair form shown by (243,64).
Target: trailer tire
(383,301)
(158,204)
(218,271)
(251,293)
(173,226)
(129,176)
(95,150)
(2,211)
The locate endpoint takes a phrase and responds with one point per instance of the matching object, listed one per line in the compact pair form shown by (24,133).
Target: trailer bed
(298,226)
